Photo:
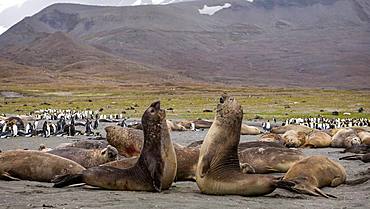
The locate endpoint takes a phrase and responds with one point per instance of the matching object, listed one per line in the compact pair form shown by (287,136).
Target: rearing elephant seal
(218,171)
(145,175)
(35,166)
(312,173)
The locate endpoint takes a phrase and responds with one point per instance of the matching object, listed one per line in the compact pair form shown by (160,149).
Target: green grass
(188,102)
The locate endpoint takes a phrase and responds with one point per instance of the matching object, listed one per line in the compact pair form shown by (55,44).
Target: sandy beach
(27,194)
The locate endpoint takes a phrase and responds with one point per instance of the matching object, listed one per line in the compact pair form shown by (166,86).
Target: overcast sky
(13,11)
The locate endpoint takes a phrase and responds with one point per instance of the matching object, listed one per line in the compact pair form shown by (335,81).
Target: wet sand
(27,194)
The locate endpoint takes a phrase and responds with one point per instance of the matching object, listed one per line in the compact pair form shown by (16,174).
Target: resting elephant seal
(35,166)
(272,137)
(268,159)
(125,140)
(345,137)
(312,173)
(147,174)
(218,170)
(87,157)
(175,126)
(365,137)
(249,130)
(318,139)
(294,138)
(298,128)
(85,144)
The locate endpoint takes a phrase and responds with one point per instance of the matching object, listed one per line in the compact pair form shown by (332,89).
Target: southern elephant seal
(218,171)
(146,174)
(344,138)
(307,176)
(268,159)
(318,139)
(87,157)
(35,165)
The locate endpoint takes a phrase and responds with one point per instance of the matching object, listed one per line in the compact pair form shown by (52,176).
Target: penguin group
(55,122)
(322,123)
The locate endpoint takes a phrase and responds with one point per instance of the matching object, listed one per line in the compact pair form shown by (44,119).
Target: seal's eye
(222,100)
(152,110)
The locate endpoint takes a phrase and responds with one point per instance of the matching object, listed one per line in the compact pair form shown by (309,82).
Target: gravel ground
(26,194)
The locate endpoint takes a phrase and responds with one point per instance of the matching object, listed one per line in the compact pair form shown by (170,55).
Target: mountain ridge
(293,43)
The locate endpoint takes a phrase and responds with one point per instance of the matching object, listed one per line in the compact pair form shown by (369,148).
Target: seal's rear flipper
(66,180)
(302,189)
(8,177)
(351,157)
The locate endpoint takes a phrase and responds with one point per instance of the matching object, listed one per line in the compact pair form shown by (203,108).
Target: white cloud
(4,4)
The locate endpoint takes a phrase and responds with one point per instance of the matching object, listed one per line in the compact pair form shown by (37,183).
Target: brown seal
(271,137)
(344,138)
(35,166)
(145,175)
(87,157)
(249,130)
(268,159)
(318,139)
(298,128)
(125,140)
(312,173)
(293,138)
(365,137)
(218,171)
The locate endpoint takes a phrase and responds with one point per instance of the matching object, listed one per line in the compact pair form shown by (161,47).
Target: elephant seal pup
(272,137)
(294,138)
(283,129)
(175,126)
(268,159)
(365,137)
(145,175)
(318,139)
(218,171)
(87,157)
(244,145)
(344,138)
(364,158)
(125,140)
(307,176)
(249,130)
(35,166)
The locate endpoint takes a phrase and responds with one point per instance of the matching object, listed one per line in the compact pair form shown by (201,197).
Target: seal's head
(229,110)
(153,116)
(110,152)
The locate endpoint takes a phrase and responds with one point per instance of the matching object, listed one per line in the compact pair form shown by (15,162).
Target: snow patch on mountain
(212,9)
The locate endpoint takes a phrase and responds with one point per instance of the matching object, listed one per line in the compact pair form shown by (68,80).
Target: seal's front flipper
(8,177)
(66,180)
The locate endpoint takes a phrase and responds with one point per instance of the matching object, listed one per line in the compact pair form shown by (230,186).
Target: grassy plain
(187,102)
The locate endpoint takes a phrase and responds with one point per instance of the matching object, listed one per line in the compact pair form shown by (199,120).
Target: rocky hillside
(290,43)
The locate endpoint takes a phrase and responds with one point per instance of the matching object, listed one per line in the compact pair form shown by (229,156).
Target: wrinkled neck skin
(222,140)
(152,147)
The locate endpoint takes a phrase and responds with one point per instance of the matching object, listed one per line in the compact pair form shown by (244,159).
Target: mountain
(288,43)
